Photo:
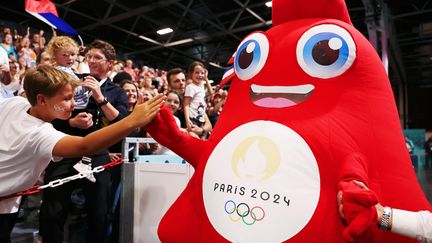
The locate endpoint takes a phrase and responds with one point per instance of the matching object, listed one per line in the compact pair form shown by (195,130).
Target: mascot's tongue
(274,102)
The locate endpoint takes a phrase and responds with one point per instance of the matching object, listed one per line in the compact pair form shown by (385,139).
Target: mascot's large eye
(251,56)
(326,51)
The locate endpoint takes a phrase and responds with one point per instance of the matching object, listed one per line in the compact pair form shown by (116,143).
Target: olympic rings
(253,215)
(231,207)
(245,213)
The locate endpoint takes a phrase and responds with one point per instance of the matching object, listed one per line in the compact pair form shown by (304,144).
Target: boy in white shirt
(28,141)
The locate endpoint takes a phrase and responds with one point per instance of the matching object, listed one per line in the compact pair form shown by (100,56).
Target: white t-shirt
(26,146)
(198,105)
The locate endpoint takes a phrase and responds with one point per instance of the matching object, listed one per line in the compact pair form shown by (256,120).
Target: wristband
(385,220)
(104,102)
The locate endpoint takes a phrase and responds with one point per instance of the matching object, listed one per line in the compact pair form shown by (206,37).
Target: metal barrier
(150,185)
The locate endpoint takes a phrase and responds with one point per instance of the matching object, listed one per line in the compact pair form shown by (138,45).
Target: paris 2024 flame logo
(251,184)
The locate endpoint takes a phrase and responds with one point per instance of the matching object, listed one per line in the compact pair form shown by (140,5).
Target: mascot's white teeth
(299,89)
(280,96)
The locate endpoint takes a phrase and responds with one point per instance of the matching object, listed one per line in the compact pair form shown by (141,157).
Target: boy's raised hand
(144,113)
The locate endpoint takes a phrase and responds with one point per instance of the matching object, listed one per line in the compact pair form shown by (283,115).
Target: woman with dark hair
(132,93)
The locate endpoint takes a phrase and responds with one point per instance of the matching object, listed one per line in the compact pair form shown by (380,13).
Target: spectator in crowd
(8,46)
(129,69)
(107,105)
(38,42)
(146,95)
(146,85)
(216,104)
(81,63)
(117,68)
(22,65)
(150,73)
(132,93)
(416,225)
(136,71)
(5,77)
(194,103)
(120,77)
(410,147)
(36,142)
(16,82)
(16,35)
(173,103)
(25,51)
(164,88)
(43,59)
(4,30)
(177,82)
(409,144)
(144,71)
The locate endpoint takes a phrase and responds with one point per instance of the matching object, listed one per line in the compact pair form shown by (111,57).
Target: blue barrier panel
(160,159)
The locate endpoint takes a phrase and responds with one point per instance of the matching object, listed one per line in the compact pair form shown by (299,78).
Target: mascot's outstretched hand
(357,206)
(164,129)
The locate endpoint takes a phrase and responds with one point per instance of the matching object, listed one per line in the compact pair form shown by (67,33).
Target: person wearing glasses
(107,104)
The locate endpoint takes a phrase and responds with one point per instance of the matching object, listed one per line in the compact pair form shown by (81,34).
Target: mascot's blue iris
(251,56)
(326,51)
(248,56)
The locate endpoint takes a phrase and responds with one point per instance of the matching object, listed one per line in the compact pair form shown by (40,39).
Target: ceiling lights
(164,31)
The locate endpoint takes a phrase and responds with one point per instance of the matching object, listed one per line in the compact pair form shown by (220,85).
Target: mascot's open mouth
(280,96)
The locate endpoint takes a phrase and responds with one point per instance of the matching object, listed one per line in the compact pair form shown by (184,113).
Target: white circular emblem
(261,183)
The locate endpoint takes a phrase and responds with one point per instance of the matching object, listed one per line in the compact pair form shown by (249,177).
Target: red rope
(113,163)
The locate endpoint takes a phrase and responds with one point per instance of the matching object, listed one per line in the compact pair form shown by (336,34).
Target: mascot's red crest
(284,11)
(310,108)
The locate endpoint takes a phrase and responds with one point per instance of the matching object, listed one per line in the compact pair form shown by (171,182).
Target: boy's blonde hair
(61,42)
(46,80)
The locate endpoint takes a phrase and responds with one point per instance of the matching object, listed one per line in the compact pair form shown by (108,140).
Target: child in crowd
(216,105)
(64,52)
(194,98)
(173,104)
(29,142)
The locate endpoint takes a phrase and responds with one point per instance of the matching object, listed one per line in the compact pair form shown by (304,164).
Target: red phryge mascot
(310,108)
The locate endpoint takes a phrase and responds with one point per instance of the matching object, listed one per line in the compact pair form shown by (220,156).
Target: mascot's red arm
(359,204)
(164,129)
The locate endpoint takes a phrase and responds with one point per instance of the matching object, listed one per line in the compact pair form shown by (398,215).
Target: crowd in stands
(110,89)
(27,51)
